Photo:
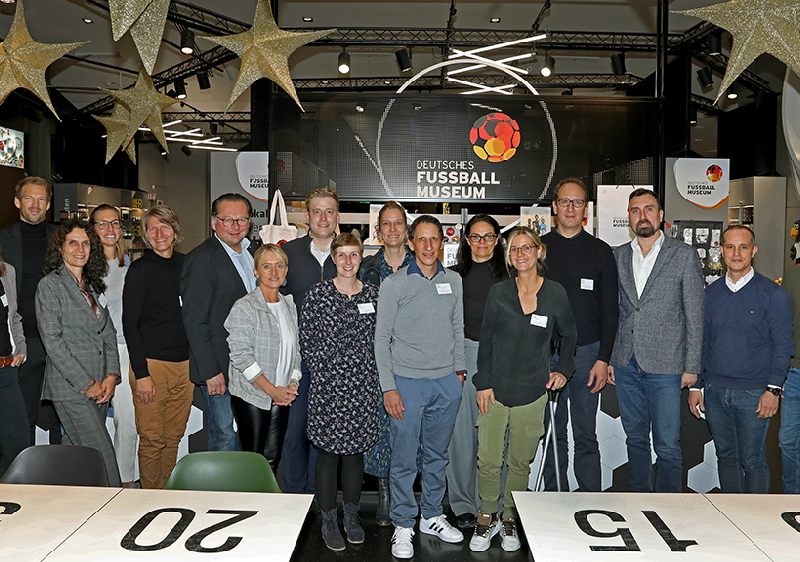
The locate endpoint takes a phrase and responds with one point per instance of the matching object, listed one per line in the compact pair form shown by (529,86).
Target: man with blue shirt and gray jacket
(419,348)
(747,348)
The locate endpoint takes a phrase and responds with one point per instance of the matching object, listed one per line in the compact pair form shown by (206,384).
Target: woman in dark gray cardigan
(77,332)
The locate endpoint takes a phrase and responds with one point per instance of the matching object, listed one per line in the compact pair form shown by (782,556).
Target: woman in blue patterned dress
(337,336)
(392,227)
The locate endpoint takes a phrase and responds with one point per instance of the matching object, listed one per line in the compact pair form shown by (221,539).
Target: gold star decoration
(116,126)
(757,26)
(144,105)
(145,19)
(265,50)
(23,61)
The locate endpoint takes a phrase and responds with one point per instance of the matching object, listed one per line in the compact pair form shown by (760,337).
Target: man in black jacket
(24,244)
(309,263)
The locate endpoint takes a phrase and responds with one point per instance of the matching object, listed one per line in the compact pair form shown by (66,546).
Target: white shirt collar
(735,286)
(643,265)
(320,255)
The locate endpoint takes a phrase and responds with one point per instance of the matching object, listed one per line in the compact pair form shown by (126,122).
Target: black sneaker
(465,520)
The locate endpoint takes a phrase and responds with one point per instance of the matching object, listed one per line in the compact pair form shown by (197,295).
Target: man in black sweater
(585,267)
(24,244)
(309,263)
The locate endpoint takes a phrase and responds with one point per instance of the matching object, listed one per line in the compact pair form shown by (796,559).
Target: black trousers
(261,431)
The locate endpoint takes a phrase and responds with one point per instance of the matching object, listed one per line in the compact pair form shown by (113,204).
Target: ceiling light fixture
(469,54)
(344,61)
(758,98)
(187,42)
(705,77)
(186,150)
(203,80)
(308,19)
(180,89)
(732,95)
(404,59)
(715,43)
(494,20)
(618,64)
(213,128)
(360,109)
(85,20)
(483,88)
(500,45)
(548,67)
(693,116)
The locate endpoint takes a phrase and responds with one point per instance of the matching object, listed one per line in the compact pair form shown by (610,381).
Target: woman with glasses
(107,224)
(522,316)
(394,255)
(481,264)
(159,349)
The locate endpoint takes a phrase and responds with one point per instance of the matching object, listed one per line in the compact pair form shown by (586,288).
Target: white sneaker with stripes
(439,527)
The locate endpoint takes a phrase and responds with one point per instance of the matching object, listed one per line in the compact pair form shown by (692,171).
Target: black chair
(57,465)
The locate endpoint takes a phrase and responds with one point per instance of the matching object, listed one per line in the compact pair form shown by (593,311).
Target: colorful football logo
(714,173)
(495,137)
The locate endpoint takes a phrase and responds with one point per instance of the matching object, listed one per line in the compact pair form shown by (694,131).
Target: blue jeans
(583,413)
(431,406)
(740,439)
(651,401)
(221,435)
(299,455)
(789,435)
(14,436)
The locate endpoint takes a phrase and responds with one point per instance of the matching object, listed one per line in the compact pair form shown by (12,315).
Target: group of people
(392,364)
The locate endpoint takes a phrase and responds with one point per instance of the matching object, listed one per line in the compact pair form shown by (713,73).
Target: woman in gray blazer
(264,357)
(14,435)
(79,338)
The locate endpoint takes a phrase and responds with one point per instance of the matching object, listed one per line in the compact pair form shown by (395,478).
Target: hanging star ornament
(145,19)
(265,50)
(144,105)
(23,61)
(757,26)
(116,126)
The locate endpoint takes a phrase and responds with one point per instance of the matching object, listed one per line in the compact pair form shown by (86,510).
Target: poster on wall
(704,182)
(612,213)
(536,217)
(247,176)
(12,148)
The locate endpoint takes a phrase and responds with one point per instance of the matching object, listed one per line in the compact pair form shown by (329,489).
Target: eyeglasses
(577,203)
(477,237)
(104,225)
(242,221)
(526,249)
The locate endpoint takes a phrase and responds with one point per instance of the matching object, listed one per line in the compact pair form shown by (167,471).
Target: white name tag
(587,284)
(180,300)
(540,321)
(4,300)
(102,300)
(444,289)
(366,308)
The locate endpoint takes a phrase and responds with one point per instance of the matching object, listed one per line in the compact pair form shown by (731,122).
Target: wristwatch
(776,391)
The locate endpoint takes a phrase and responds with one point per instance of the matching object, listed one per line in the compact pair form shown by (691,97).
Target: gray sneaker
(485,528)
(508,532)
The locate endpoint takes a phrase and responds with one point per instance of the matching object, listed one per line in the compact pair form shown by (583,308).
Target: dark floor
(311,548)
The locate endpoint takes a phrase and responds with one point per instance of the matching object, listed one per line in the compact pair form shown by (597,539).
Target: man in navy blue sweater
(746,351)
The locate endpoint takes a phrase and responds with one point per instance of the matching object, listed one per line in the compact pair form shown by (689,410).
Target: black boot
(382,515)
(352,526)
(330,531)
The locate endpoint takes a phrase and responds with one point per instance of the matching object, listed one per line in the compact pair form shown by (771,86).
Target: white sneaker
(402,546)
(439,527)
(508,531)
(485,529)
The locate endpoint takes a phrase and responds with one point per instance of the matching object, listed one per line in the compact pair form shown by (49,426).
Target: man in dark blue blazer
(215,275)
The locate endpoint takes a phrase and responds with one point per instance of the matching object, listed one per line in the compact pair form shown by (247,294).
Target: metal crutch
(550,436)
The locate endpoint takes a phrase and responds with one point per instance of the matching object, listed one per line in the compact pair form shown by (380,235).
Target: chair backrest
(223,471)
(57,465)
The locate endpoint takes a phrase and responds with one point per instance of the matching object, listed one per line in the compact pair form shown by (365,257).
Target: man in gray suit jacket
(659,342)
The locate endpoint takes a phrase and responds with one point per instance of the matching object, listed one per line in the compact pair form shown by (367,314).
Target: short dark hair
(641,192)
(425,219)
(231,198)
(36,180)
(740,227)
(577,181)
(346,239)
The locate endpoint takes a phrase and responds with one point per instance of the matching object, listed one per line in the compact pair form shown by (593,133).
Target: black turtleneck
(34,248)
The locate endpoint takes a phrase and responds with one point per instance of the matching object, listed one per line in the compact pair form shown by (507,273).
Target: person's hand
(484,397)
(767,405)
(462,376)
(95,392)
(284,395)
(108,385)
(393,404)
(216,385)
(17,360)
(598,375)
(688,380)
(556,382)
(146,390)
(611,380)
(696,403)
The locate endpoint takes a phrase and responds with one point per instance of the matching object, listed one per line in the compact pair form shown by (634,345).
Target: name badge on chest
(587,284)
(444,289)
(366,308)
(4,300)
(537,320)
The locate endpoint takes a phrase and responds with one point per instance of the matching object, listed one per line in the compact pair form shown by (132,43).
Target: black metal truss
(207,116)
(747,78)
(704,104)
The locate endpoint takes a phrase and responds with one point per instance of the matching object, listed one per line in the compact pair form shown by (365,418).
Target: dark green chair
(223,471)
